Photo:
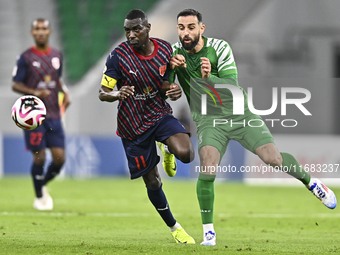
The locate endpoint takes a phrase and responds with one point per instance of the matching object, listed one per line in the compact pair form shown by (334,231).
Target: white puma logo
(36,64)
(163,209)
(135,73)
(39,177)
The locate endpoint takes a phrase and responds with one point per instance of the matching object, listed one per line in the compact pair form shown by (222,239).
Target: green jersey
(219,101)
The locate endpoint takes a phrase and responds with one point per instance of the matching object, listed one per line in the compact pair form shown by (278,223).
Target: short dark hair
(190,12)
(135,14)
(40,20)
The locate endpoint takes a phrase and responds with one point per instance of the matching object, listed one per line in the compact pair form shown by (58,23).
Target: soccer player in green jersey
(199,62)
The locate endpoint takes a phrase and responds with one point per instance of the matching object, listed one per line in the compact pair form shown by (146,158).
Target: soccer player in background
(195,59)
(38,73)
(139,67)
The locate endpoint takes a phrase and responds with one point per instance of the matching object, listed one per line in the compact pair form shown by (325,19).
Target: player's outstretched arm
(109,95)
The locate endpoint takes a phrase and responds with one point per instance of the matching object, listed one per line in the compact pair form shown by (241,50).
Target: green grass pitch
(114,216)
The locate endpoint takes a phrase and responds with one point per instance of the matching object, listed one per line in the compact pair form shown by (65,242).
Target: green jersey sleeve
(221,58)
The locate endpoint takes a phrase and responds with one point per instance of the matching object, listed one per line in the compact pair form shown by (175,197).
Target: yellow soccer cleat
(169,161)
(182,237)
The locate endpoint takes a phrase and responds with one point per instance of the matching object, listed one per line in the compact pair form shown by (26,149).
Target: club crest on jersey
(55,63)
(162,70)
(147,90)
(47,78)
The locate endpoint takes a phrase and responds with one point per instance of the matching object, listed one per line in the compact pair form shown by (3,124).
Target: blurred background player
(139,68)
(196,56)
(38,72)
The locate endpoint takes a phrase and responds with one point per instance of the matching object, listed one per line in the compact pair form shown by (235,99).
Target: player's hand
(42,93)
(177,61)
(125,92)
(205,67)
(174,93)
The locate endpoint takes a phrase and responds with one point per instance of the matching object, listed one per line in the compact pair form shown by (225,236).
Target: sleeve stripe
(231,61)
(223,55)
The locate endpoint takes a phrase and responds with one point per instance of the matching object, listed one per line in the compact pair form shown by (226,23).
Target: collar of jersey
(150,56)
(39,52)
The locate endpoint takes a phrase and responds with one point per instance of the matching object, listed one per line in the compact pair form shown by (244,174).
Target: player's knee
(153,183)
(273,160)
(39,161)
(59,161)
(39,158)
(186,154)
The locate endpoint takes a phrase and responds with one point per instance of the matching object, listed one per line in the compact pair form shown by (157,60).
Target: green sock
(293,168)
(205,195)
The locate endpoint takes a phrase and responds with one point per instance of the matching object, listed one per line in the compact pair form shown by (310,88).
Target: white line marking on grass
(61,214)
(281,215)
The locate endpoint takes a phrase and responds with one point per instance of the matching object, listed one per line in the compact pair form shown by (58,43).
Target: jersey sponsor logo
(36,64)
(145,96)
(55,63)
(46,85)
(162,70)
(105,68)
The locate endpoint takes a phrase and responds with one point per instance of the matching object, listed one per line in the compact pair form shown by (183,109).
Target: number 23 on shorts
(35,138)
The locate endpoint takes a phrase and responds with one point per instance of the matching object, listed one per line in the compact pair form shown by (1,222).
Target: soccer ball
(28,112)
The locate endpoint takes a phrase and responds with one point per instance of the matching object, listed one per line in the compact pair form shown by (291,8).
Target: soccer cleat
(45,203)
(169,161)
(324,194)
(209,239)
(182,237)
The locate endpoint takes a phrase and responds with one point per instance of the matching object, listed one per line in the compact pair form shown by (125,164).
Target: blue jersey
(41,70)
(125,67)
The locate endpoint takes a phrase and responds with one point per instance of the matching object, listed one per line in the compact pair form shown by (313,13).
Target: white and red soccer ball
(28,112)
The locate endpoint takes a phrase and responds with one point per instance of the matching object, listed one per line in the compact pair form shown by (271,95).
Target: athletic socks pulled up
(37,173)
(159,201)
(206,195)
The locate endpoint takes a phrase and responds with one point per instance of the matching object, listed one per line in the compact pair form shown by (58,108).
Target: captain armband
(109,82)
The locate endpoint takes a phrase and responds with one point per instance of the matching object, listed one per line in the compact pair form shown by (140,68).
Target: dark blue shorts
(142,153)
(50,134)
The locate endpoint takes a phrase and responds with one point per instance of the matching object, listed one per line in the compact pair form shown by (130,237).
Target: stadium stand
(89,28)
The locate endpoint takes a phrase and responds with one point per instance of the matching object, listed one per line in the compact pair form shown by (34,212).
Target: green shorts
(251,132)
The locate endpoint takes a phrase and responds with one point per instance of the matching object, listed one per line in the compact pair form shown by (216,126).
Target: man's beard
(192,44)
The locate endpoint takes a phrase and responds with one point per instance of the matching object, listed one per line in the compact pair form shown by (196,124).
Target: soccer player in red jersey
(38,72)
(139,68)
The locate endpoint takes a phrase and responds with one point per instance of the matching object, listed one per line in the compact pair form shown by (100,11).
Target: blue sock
(52,171)
(158,199)
(37,172)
